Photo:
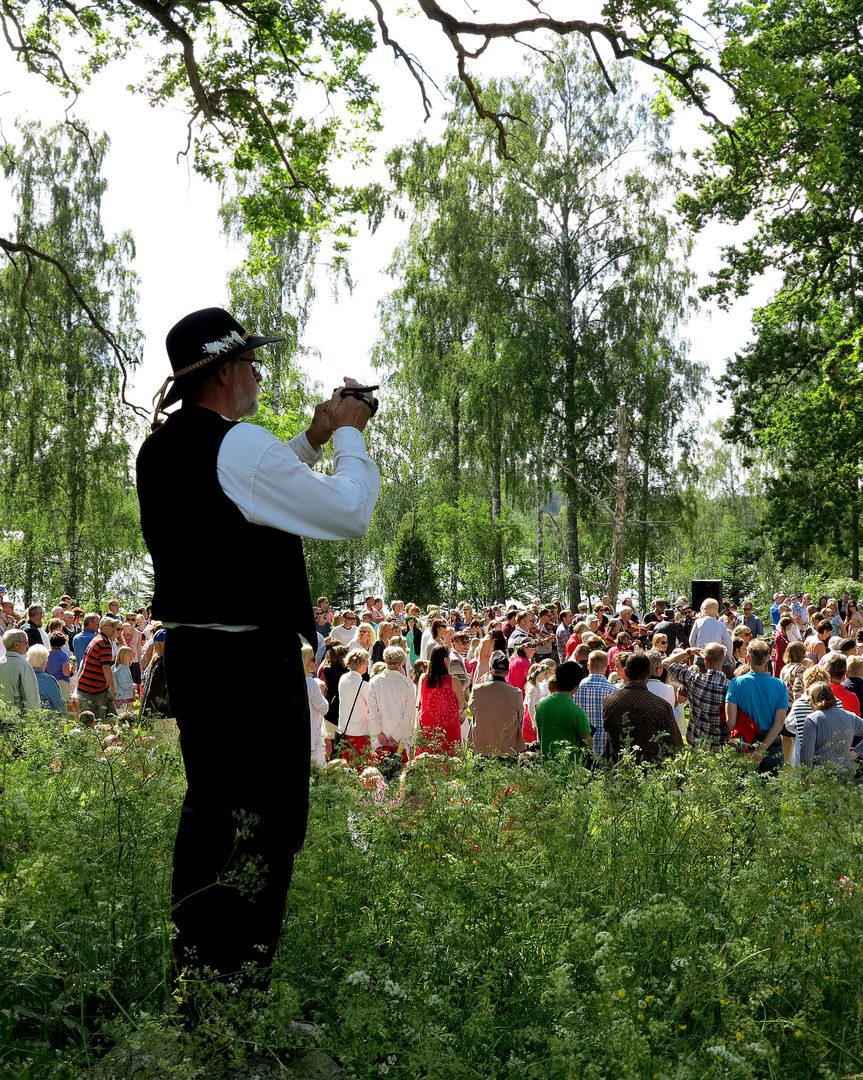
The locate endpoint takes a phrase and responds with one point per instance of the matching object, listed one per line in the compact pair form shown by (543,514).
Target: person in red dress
(441,701)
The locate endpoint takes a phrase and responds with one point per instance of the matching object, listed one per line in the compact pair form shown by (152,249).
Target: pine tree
(411,574)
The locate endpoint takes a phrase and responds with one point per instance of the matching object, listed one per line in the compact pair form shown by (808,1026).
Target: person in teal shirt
(559,719)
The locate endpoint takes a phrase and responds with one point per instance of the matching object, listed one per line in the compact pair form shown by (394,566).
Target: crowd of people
(75,661)
(388,683)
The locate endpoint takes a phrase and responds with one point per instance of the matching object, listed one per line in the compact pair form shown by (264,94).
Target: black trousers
(244,725)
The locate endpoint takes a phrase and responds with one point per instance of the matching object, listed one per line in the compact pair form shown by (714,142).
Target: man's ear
(224,372)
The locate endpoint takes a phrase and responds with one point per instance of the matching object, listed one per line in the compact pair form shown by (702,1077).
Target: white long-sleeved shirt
(272,484)
(353,704)
(392,703)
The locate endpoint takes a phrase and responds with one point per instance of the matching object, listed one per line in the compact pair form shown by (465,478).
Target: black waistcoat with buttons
(210,565)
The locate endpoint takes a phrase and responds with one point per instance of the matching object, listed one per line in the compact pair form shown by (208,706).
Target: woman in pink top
(441,700)
(519,666)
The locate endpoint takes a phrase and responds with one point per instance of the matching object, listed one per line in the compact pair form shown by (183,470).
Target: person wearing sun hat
(224,499)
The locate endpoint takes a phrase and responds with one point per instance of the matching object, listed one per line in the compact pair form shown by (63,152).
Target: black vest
(202,547)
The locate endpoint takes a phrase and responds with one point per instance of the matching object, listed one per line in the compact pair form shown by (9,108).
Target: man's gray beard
(247,406)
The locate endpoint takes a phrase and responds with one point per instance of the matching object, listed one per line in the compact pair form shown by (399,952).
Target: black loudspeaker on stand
(706,590)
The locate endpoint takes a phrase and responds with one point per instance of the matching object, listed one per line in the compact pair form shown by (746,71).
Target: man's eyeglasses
(349,618)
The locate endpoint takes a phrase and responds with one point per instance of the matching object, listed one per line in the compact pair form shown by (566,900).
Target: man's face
(36,617)
(244,384)
(781,598)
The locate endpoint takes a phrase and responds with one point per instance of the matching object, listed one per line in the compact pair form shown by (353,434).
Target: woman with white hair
(18,685)
(50,697)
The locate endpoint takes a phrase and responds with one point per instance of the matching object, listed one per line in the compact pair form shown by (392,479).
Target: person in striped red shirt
(96,677)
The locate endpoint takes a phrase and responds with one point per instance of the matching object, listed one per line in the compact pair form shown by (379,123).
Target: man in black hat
(220,499)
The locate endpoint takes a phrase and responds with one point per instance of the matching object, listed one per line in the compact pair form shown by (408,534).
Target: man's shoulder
(595,680)
(248,438)
(392,676)
(556,701)
(496,686)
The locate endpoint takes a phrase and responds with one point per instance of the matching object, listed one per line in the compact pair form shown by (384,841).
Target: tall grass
(693,921)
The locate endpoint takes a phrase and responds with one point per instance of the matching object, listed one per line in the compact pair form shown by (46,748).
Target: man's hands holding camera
(351,405)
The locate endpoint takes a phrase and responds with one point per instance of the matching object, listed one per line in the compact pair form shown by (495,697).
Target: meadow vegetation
(694,921)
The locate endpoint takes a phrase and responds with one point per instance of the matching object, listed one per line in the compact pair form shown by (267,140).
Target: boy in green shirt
(559,719)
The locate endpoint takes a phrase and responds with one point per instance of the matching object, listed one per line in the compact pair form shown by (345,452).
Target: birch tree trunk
(618,528)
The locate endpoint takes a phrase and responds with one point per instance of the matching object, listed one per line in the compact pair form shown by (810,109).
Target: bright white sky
(183,260)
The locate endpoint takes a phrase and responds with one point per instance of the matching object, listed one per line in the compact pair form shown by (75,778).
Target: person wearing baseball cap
(221,498)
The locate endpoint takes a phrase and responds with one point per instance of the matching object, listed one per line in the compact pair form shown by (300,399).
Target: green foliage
(467,536)
(536,293)
(337,569)
(70,521)
(694,921)
(543,923)
(793,167)
(86,835)
(411,573)
(255,81)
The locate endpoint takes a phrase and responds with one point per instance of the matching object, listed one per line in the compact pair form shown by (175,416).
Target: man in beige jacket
(497,709)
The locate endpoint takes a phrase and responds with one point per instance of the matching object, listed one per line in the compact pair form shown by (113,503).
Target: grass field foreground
(690,921)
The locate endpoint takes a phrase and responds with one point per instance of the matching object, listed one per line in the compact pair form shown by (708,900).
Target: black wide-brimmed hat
(201,338)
